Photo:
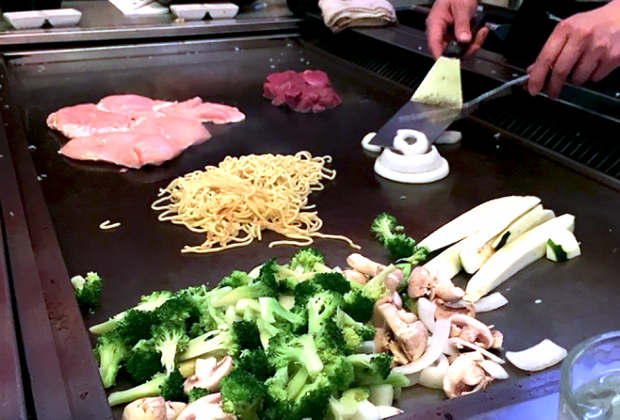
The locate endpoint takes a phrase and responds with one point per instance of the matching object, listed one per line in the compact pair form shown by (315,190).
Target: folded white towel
(341,14)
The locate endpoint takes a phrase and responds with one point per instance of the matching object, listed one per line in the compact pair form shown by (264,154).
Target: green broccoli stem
(203,344)
(296,384)
(151,388)
(109,365)
(147,305)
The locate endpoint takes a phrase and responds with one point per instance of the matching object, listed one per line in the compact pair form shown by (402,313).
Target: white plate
(62,17)
(222,10)
(189,11)
(25,20)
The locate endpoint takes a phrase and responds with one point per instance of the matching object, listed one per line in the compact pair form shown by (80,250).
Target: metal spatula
(441,88)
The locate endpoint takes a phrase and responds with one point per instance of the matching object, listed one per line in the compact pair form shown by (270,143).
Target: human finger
(603,70)
(567,59)
(478,41)
(545,60)
(436,33)
(585,68)
(462,21)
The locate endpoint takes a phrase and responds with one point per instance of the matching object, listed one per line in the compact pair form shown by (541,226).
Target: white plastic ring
(370,147)
(410,164)
(402,142)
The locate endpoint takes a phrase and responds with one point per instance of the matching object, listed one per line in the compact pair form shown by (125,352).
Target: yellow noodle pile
(233,202)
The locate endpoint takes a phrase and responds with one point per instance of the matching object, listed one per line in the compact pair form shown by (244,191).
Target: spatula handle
(456,49)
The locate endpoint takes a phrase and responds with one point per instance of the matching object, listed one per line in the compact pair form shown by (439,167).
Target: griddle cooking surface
(577,297)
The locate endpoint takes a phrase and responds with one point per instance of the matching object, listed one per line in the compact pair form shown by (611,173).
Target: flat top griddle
(577,297)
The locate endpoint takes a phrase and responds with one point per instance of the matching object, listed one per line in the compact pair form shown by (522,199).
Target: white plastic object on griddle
(370,147)
(415,164)
(449,137)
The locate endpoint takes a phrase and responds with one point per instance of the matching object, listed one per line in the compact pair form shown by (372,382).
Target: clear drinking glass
(590,382)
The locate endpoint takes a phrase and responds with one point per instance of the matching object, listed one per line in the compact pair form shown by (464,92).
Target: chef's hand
(583,47)
(452,14)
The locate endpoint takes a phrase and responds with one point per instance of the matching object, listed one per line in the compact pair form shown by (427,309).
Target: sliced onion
(366,411)
(541,356)
(494,369)
(449,349)
(386,411)
(460,342)
(433,351)
(370,147)
(490,303)
(432,376)
(367,347)
(426,312)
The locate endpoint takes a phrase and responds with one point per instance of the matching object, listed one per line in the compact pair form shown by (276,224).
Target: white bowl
(25,20)
(63,17)
(222,10)
(189,11)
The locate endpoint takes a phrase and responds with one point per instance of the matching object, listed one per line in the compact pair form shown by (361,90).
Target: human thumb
(462,27)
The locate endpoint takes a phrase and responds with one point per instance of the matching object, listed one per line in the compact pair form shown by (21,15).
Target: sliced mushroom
(152,408)
(445,309)
(390,314)
(420,282)
(398,301)
(205,408)
(364,265)
(471,330)
(355,276)
(465,376)
(208,373)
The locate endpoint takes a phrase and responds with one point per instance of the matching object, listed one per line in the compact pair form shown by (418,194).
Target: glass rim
(566,391)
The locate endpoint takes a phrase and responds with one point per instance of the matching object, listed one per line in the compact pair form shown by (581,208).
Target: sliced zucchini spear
(466,224)
(478,248)
(526,249)
(562,246)
(447,264)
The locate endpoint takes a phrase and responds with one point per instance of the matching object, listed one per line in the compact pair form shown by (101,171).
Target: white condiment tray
(222,10)
(25,20)
(189,11)
(35,19)
(62,17)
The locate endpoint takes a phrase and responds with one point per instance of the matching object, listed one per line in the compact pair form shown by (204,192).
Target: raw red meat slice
(308,91)
(203,111)
(130,105)
(184,131)
(86,120)
(133,150)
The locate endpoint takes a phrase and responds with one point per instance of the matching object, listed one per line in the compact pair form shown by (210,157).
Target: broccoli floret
(333,282)
(265,285)
(273,313)
(169,338)
(147,303)
(242,394)
(170,387)
(235,279)
(339,371)
(87,291)
(375,369)
(321,307)
(241,335)
(181,309)
(136,325)
(313,399)
(304,291)
(358,305)
(331,338)
(305,259)
(354,332)
(210,318)
(110,352)
(255,362)
(417,256)
(143,362)
(375,288)
(197,393)
(410,303)
(389,233)
(286,348)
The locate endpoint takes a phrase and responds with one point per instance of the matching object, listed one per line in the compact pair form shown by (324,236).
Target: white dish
(189,11)
(222,10)
(63,17)
(25,20)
